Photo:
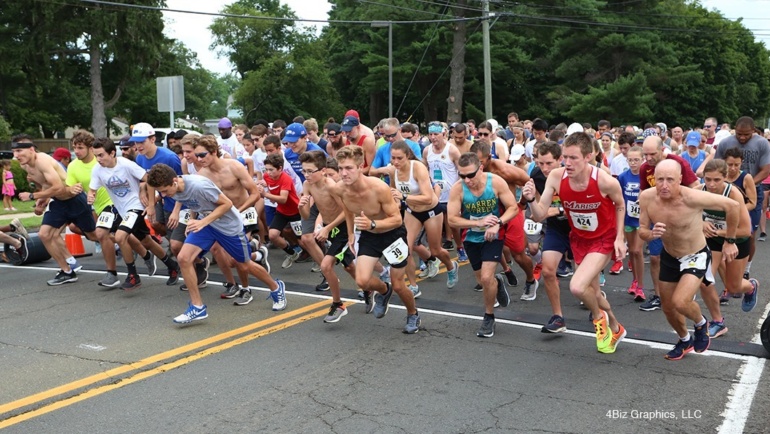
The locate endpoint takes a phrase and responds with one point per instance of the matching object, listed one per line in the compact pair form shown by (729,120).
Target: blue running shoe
(680,349)
(453,275)
(701,338)
(382,301)
(602,279)
(412,324)
(279,296)
(76,267)
(565,271)
(750,300)
(192,314)
(461,255)
(717,328)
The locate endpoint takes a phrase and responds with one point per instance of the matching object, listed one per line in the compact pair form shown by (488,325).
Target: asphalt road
(79,358)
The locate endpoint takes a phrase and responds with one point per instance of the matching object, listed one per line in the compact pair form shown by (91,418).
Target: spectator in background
(127,148)
(63,156)
(710,130)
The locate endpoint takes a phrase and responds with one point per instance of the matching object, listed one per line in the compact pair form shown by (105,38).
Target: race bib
(105,220)
(249,216)
(130,220)
(478,229)
(532,227)
(184,216)
(719,225)
(585,221)
(297,227)
(442,186)
(397,252)
(695,261)
(632,209)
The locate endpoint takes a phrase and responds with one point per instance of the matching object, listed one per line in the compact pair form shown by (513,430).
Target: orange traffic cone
(74,244)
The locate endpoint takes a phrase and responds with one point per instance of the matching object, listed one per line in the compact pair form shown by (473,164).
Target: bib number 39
(397,252)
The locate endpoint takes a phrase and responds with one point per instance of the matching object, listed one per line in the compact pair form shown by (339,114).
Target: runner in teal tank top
(478,207)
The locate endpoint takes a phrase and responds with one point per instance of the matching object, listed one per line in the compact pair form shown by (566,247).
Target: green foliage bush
(19,177)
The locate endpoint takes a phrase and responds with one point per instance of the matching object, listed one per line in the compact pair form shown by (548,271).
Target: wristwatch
(373,225)
(32,196)
(730,240)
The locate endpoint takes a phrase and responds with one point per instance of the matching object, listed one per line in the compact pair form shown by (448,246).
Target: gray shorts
(308,225)
(161,216)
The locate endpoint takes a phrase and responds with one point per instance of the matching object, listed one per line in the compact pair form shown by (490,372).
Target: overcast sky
(193,30)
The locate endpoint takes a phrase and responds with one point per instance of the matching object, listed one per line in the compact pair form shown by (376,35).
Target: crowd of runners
(391,206)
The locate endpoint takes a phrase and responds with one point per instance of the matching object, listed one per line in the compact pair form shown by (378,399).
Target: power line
(272,18)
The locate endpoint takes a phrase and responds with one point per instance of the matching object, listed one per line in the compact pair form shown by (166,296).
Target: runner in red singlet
(594,206)
(359,135)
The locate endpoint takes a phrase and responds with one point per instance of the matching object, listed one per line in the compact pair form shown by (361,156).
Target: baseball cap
(663,127)
(349,122)
(692,139)
(293,132)
(721,135)
(224,123)
(574,128)
(649,132)
(639,138)
(141,132)
(334,127)
(61,153)
(516,152)
(353,113)
(124,141)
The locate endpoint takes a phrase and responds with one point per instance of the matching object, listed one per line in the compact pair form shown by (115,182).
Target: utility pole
(487,61)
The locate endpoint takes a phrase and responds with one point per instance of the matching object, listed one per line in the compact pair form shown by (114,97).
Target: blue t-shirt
(382,156)
(293,159)
(629,185)
(696,161)
(167,157)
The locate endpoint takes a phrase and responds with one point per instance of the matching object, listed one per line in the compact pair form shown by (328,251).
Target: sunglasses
(310,172)
(708,126)
(332,135)
(125,148)
(484,134)
(470,175)
(201,155)
(390,136)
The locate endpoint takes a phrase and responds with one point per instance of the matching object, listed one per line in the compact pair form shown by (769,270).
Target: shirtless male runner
(232,178)
(46,172)
(685,262)
(317,189)
(370,208)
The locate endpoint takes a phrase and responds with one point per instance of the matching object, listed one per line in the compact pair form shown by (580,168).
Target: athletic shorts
(488,251)
(374,245)
(765,187)
(655,247)
(280,221)
(630,229)
(556,241)
(698,264)
(424,216)
(161,216)
(308,225)
(74,210)
(715,245)
(338,237)
(269,214)
(515,238)
(109,212)
(755,215)
(581,247)
(236,246)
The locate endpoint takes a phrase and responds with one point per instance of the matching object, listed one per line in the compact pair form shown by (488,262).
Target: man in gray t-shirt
(218,222)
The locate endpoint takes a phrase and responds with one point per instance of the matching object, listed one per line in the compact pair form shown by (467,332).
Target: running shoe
(701,340)
(18,227)
(263,261)
(717,328)
(724,298)
(173,276)
(453,275)
(132,282)
(385,275)
(231,291)
(416,293)
(279,296)
(413,323)
(289,260)
(617,267)
(336,312)
(615,340)
(746,276)
(630,269)
(62,278)
(602,279)
(639,296)
(511,278)
(382,301)
(461,255)
(603,333)
(530,291)
(762,236)
(565,271)
(632,289)
(651,304)
(151,264)
(76,266)
(487,329)
(368,301)
(537,270)
(680,349)
(192,314)
(244,297)
(502,292)
(448,245)
(432,268)
(750,300)
(109,280)
(478,288)
(323,286)
(555,325)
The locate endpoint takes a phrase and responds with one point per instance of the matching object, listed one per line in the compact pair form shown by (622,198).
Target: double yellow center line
(144,369)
